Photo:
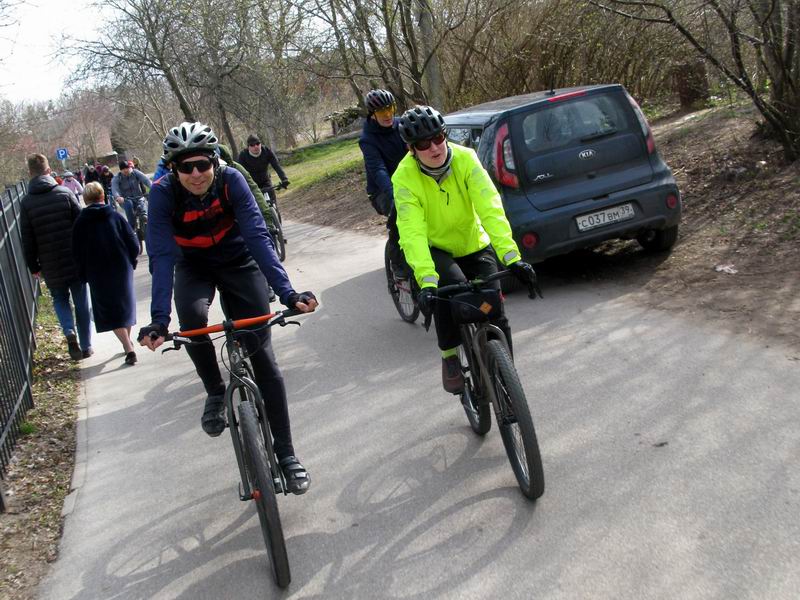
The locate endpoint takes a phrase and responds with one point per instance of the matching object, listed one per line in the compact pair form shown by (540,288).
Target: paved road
(670,451)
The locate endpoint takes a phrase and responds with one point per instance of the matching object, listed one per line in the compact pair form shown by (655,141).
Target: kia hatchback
(575,167)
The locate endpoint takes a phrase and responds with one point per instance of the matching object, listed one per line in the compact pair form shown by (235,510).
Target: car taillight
(504,166)
(672,201)
(567,96)
(646,131)
(529,240)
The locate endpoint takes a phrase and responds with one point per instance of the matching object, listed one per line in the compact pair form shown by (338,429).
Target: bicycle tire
(514,421)
(478,413)
(277,233)
(404,299)
(263,490)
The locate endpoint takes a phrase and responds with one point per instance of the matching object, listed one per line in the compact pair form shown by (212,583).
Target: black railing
(18,293)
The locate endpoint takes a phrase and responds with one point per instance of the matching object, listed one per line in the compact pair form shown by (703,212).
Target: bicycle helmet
(377,99)
(420,123)
(187,138)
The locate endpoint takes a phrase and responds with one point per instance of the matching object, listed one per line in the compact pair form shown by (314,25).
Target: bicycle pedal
(276,481)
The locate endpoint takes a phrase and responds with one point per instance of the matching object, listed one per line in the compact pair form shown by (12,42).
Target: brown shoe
(452,377)
(73,347)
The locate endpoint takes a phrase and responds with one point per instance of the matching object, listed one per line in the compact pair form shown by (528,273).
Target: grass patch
(27,428)
(312,165)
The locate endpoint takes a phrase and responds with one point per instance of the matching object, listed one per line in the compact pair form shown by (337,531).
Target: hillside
(737,260)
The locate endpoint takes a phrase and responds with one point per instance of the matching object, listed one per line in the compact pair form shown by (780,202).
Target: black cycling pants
(244,294)
(453,270)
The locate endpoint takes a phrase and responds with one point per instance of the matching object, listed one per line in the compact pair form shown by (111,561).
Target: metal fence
(18,293)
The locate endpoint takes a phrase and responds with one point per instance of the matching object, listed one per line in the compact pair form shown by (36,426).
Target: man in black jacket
(257,159)
(48,212)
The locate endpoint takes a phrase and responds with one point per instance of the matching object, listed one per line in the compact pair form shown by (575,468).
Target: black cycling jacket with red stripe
(222,227)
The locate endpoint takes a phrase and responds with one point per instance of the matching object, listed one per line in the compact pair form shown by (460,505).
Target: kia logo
(586,154)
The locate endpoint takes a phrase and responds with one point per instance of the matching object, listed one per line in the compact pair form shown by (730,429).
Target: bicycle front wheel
(263,490)
(401,291)
(514,421)
(277,233)
(477,411)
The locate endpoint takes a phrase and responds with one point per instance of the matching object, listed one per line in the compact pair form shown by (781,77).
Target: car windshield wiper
(598,134)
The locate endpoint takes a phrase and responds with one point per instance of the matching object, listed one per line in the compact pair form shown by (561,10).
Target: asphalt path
(670,450)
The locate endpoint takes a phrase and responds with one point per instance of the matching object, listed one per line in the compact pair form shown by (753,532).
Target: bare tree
(761,36)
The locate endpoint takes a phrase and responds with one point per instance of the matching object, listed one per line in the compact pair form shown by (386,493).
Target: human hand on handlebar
(304,302)
(524,273)
(152,336)
(425,300)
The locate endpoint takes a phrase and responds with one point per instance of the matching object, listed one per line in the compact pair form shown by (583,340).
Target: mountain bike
(276,228)
(490,378)
(262,478)
(403,291)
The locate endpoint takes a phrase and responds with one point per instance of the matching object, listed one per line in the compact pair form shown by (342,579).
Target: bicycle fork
(480,340)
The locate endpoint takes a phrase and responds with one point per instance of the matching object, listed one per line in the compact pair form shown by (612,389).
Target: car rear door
(579,146)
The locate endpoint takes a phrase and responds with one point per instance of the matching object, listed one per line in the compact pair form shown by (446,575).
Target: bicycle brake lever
(427,323)
(168,350)
(285,323)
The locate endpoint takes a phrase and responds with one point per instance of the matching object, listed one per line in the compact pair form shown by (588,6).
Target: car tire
(658,240)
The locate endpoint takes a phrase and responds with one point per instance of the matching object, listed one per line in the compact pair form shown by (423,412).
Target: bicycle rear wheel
(277,233)
(514,421)
(478,413)
(401,291)
(263,489)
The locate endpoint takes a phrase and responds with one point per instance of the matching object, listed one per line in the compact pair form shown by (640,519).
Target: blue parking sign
(62,153)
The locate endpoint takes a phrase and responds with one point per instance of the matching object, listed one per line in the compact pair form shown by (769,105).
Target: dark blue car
(575,167)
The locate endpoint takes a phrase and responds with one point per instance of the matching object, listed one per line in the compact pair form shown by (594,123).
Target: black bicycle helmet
(420,123)
(377,99)
(187,138)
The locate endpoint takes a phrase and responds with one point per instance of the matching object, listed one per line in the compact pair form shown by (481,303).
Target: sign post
(62,154)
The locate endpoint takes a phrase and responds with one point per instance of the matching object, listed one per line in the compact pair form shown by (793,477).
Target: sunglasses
(426,144)
(387,111)
(202,166)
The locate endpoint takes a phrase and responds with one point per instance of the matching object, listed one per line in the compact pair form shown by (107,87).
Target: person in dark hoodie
(48,212)
(257,159)
(106,251)
(383,149)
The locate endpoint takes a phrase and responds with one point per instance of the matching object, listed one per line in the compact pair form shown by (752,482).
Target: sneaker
(74,349)
(87,353)
(130,358)
(452,377)
(213,419)
(297,478)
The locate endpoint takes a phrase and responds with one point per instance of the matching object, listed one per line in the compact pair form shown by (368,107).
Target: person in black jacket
(383,149)
(257,159)
(48,212)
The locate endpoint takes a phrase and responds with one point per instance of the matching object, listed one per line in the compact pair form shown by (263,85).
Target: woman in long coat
(106,250)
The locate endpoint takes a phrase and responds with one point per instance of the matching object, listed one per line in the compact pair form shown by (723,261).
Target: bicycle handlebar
(276,318)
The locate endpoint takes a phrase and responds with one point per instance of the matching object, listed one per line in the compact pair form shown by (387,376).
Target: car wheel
(658,240)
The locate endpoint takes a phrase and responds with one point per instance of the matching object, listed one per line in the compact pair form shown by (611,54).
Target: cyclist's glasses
(426,144)
(254,144)
(386,111)
(202,166)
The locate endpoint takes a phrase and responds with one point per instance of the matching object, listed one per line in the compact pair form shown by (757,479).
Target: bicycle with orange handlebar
(262,478)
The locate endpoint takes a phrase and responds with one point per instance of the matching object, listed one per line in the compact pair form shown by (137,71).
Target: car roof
(480,114)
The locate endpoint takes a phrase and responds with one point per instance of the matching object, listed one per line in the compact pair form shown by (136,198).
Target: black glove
(425,300)
(294,298)
(154,331)
(285,183)
(523,271)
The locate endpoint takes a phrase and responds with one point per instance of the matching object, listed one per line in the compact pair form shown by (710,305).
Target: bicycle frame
(475,348)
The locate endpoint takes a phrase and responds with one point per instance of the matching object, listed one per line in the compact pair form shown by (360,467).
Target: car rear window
(577,121)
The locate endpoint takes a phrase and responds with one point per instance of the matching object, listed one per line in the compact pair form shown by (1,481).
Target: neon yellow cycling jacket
(460,215)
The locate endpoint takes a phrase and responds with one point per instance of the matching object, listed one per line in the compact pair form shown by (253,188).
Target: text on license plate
(614,214)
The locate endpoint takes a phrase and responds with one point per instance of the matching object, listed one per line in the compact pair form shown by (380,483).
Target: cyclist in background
(206,230)
(452,226)
(127,186)
(383,149)
(257,159)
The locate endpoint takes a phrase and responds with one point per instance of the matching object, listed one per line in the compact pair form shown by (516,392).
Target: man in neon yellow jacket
(452,225)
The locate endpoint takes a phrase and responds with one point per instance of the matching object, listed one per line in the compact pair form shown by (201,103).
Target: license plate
(614,214)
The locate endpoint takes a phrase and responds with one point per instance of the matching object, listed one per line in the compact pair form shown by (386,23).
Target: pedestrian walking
(48,212)
(106,251)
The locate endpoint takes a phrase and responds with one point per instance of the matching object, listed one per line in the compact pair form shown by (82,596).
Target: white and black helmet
(378,99)
(189,137)
(420,123)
